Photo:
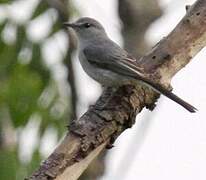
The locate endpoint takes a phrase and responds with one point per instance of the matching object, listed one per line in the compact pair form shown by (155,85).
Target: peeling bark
(116,110)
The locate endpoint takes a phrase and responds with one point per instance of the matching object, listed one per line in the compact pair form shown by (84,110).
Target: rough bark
(116,110)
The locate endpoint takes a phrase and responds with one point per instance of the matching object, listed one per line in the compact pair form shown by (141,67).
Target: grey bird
(110,65)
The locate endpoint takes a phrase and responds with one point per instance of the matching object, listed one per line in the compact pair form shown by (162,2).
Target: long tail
(129,69)
(170,95)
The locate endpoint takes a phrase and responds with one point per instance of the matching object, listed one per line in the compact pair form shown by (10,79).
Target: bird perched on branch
(110,65)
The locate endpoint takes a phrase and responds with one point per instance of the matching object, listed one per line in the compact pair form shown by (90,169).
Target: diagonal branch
(116,110)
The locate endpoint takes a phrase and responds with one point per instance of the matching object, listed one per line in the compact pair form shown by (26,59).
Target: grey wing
(113,58)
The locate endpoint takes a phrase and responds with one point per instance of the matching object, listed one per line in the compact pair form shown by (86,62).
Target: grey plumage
(109,64)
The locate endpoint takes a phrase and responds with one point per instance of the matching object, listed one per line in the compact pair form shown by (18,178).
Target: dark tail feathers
(171,96)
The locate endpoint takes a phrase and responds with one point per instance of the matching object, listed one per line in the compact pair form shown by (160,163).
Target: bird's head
(87,28)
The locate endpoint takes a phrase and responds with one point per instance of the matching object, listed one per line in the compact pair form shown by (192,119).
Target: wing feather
(116,60)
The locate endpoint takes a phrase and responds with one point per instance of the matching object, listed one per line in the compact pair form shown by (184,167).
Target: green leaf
(38,65)
(8,165)
(35,161)
(5,1)
(41,8)
(56,27)
(21,94)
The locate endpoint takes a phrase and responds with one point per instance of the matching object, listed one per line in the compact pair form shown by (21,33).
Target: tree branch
(116,110)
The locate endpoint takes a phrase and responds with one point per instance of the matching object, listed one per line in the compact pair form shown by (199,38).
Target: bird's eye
(87,25)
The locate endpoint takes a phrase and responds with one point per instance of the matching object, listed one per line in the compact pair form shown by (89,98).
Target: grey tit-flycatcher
(110,65)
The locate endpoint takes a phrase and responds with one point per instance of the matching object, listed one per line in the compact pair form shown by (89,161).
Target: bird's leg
(102,103)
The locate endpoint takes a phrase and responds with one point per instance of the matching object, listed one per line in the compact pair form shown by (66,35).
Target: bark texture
(116,110)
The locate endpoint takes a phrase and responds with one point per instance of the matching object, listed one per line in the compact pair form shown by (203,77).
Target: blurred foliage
(27,88)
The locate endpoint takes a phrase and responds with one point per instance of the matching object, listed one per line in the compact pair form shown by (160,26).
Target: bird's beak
(72,25)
